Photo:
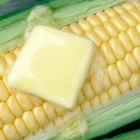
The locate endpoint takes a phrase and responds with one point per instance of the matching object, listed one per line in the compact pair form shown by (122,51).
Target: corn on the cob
(115,70)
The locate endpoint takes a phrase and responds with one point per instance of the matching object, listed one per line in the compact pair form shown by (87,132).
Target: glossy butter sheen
(53,65)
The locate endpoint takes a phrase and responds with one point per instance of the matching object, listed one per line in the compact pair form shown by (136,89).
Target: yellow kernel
(9,58)
(138,27)
(24,101)
(106,84)
(11,132)
(102,33)
(119,23)
(36,100)
(104,97)
(2,67)
(135,80)
(96,87)
(85,24)
(129,19)
(110,27)
(108,53)
(66,29)
(134,36)
(40,115)
(2,135)
(14,106)
(88,91)
(136,14)
(128,45)
(5,114)
(103,16)
(119,9)
(81,98)
(94,20)
(111,12)
(94,37)
(124,69)
(21,128)
(95,101)
(114,74)
(124,86)
(128,6)
(3,92)
(30,121)
(77,29)
(117,48)
(49,109)
(131,62)
(86,105)
(114,91)
(136,54)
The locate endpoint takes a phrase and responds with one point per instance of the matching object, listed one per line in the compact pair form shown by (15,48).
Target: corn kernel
(3,92)
(124,69)
(21,127)
(103,16)
(119,23)
(114,74)
(124,38)
(88,91)
(110,27)
(94,37)
(124,86)
(95,101)
(11,132)
(108,53)
(117,48)
(102,33)
(134,36)
(49,109)
(136,53)
(40,115)
(24,101)
(94,20)
(135,80)
(85,25)
(111,12)
(5,114)
(129,19)
(104,97)
(30,121)
(36,100)
(114,92)
(131,62)
(77,29)
(106,84)
(14,106)
(119,9)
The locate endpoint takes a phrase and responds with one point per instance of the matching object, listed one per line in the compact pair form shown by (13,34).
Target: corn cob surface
(114,71)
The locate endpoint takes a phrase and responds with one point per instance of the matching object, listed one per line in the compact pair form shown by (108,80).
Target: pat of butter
(52,65)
